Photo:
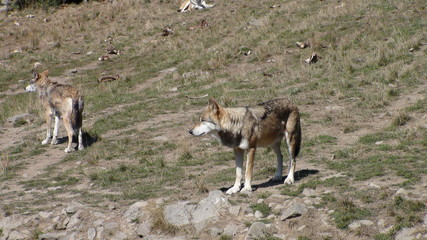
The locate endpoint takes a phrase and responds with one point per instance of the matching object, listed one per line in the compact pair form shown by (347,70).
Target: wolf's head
(32,87)
(209,120)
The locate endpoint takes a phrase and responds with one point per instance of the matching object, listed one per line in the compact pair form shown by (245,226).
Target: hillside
(362,170)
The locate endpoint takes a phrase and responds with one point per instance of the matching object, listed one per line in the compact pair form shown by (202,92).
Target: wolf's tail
(77,114)
(293,129)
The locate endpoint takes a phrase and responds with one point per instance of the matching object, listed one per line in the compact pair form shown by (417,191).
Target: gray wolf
(247,128)
(59,101)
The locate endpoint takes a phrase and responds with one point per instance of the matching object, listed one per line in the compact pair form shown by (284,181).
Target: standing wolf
(59,101)
(246,128)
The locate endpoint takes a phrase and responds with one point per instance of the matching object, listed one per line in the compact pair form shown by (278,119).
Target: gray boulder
(295,210)
(179,214)
(258,230)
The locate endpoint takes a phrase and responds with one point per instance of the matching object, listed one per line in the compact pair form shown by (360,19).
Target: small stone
(258,215)
(45,214)
(15,235)
(52,236)
(73,207)
(91,233)
(308,192)
(215,232)
(231,229)
(234,210)
(260,200)
(295,210)
(120,236)
(357,224)
(257,230)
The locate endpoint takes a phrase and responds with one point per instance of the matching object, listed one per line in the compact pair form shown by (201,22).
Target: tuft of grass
(346,211)
(160,223)
(401,119)
(262,207)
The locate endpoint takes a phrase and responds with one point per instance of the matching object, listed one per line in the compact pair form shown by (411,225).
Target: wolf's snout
(191,132)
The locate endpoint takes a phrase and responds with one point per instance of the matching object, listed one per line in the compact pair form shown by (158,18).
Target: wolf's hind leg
(80,139)
(249,170)
(238,155)
(278,175)
(69,128)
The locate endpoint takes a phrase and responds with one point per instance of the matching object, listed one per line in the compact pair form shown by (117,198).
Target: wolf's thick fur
(59,101)
(246,128)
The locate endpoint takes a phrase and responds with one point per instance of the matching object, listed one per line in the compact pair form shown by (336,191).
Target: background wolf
(246,128)
(59,101)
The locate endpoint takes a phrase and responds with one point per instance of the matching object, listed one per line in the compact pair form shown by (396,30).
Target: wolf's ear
(46,72)
(35,75)
(214,105)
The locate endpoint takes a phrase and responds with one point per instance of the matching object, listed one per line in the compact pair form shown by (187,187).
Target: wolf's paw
(68,150)
(276,178)
(246,189)
(54,141)
(46,141)
(81,147)
(233,190)
(289,180)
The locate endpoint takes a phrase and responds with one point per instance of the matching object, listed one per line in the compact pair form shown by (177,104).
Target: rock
(52,236)
(22,118)
(208,209)
(111,226)
(91,234)
(11,222)
(357,224)
(15,235)
(231,229)
(215,232)
(401,192)
(405,234)
(119,236)
(234,210)
(73,207)
(45,215)
(4,8)
(260,200)
(258,230)
(425,220)
(179,214)
(309,192)
(168,70)
(144,229)
(295,210)
(99,232)
(258,215)
(74,220)
(134,211)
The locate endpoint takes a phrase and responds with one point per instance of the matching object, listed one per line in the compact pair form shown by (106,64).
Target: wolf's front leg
(55,131)
(249,170)
(238,155)
(48,130)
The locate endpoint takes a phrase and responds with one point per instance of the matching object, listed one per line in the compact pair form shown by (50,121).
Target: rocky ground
(217,216)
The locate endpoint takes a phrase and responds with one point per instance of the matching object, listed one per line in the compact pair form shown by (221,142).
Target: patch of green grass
(320,140)
(346,212)
(262,207)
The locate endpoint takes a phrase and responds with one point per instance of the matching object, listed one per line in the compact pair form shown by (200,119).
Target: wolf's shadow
(88,140)
(298,175)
